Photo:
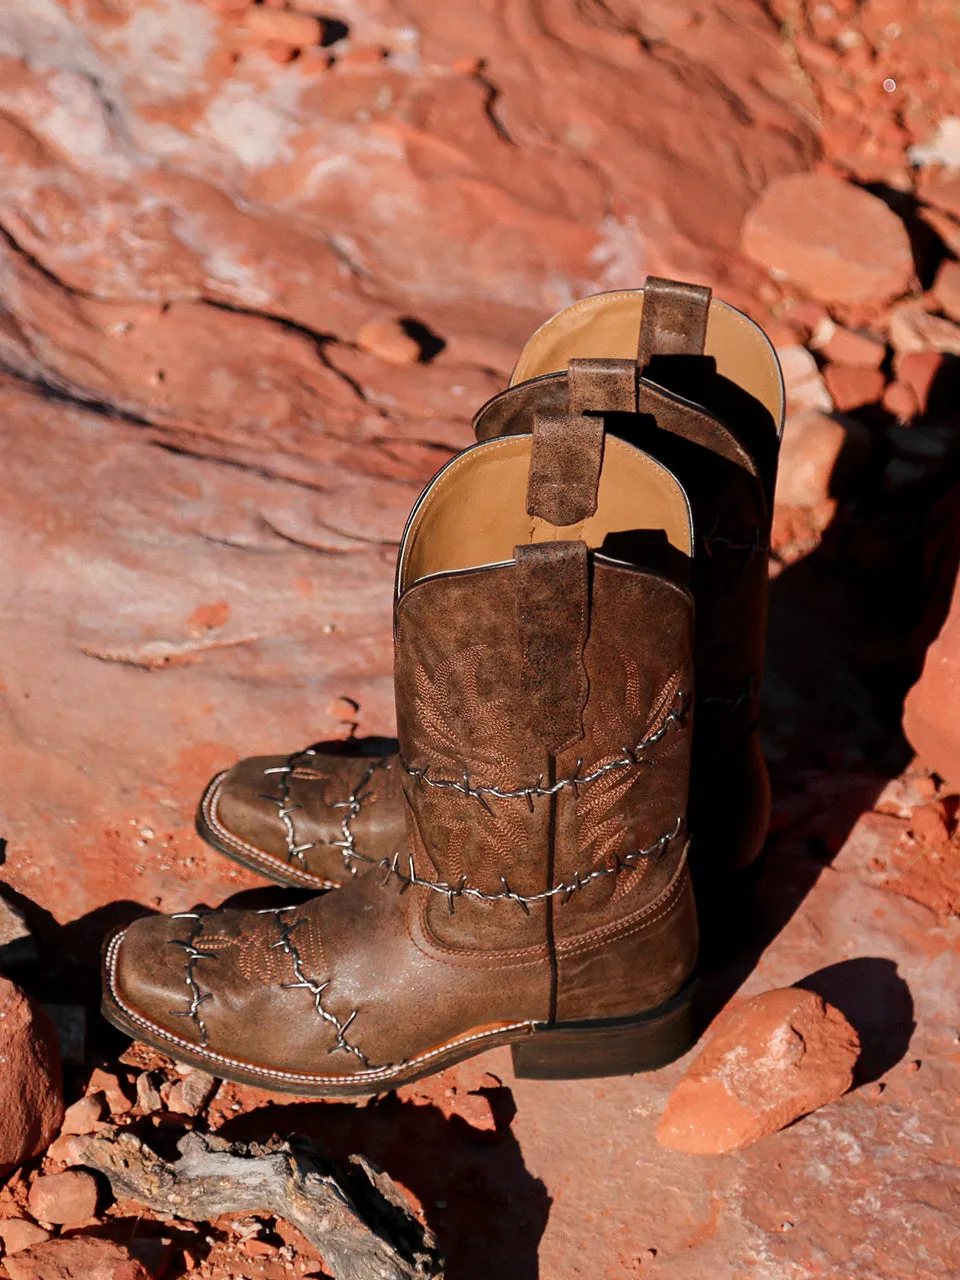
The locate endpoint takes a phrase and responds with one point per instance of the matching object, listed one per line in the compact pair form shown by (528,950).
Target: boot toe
(151,976)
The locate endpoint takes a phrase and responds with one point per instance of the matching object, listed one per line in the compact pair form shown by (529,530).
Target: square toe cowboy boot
(697,384)
(539,895)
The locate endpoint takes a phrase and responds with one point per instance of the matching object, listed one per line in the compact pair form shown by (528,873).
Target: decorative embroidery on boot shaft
(197,996)
(286,944)
(462,889)
(478,791)
(346,844)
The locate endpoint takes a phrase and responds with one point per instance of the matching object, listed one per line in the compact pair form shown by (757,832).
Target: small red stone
(853,386)
(919,371)
(899,400)
(846,347)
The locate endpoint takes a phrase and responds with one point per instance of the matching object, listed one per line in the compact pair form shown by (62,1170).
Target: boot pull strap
(565,462)
(674,320)
(553,609)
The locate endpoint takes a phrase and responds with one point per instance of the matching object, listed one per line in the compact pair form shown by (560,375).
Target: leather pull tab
(674,321)
(565,464)
(553,608)
(604,385)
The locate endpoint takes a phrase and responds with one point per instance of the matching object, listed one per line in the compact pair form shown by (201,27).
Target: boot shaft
(543,696)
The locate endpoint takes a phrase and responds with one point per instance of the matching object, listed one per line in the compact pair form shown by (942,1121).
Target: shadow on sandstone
(849,624)
(489,1213)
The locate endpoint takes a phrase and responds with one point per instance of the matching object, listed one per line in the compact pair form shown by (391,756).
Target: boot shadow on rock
(848,626)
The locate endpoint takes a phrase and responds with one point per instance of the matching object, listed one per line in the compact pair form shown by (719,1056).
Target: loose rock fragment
(110,1086)
(17,947)
(20,1233)
(389,341)
(819,458)
(802,380)
(31,1088)
(946,288)
(84,1115)
(772,1059)
(148,1097)
(298,30)
(73,1257)
(65,1199)
(852,386)
(191,1094)
(835,240)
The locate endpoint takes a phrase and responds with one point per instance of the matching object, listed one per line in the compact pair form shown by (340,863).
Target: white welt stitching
(373,1076)
(210,813)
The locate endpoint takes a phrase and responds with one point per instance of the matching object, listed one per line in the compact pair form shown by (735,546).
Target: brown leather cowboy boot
(681,366)
(540,896)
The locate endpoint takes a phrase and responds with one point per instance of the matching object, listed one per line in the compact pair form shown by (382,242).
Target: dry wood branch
(354,1214)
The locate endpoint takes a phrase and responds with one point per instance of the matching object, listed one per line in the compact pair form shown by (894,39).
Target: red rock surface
(31,1095)
(837,242)
(71,1259)
(770,1060)
(932,711)
(65,1199)
(819,456)
(206,472)
(20,1233)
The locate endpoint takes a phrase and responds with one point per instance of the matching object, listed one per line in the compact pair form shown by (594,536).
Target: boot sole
(267,865)
(561,1051)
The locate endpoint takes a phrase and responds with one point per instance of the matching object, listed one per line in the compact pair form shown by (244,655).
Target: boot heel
(608,1046)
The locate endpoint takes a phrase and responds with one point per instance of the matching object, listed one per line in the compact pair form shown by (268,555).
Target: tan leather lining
(474,513)
(608,324)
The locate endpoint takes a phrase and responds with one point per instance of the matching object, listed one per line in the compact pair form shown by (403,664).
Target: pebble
(65,1199)
(84,1116)
(820,458)
(838,242)
(20,1233)
(853,386)
(946,289)
(191,1094)
(17,947)
(771,1059)
(76,1257)
(846,347)
(31,1085)
(148,1098)
(113,1090)
(900,401)
(912,328)
(919,370)
(388,341)
(299,30)
(803,382)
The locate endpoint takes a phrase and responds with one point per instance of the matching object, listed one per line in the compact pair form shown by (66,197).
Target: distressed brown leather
(311,819)
(722,447)
(553,606)
(565,468)
(531,885)
(729,476)
(674,320)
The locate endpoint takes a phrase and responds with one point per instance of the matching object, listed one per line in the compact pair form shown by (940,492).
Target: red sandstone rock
(65,1199)
(84,1115)
(76,1258)
(846,347)
(107,1083)
(20,1233)
(31,1090)
(929,825)
(852,386)
(919,371)
(772,1059)
(298,30)
(946,288)
(802,380)
(912,328)
(931,718)
(69,1148)
(819,458)
(387,340)
(836,241)
(899,400)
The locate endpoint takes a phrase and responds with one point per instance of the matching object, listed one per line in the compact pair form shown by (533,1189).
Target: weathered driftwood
(354,1214)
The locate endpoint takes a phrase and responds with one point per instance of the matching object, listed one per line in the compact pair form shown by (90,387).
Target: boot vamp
(329,815)
(341,987)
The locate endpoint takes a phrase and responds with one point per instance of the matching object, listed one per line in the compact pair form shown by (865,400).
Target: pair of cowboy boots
(528,844)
